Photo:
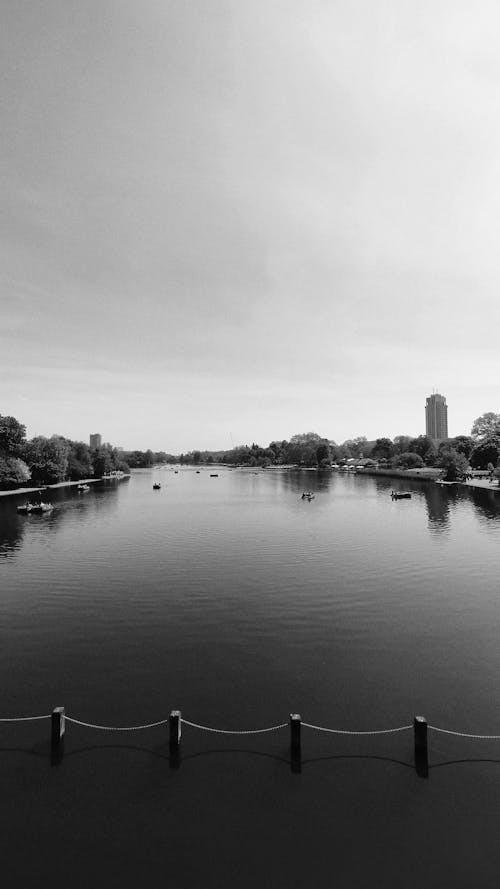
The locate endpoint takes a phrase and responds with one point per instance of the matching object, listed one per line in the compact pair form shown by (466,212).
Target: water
(235,601)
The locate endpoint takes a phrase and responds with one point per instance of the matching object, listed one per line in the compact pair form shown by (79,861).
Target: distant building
(436,417)
(95,440)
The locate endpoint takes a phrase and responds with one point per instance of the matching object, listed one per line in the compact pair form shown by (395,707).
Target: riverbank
(430,474)
(38,490)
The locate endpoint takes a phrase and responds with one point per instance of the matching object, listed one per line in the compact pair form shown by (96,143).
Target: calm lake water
(237,602)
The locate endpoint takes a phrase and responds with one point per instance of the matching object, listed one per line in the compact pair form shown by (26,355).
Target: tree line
(47,461)
(50,460)
(455,456)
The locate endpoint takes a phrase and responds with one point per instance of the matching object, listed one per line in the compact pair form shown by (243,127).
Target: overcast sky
(226,221)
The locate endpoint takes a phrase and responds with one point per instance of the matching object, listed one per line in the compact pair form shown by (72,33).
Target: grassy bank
(428,473)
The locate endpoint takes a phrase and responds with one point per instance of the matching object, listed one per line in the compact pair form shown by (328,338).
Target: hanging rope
(116,728)
(446,731)
(222,731)
(338,731)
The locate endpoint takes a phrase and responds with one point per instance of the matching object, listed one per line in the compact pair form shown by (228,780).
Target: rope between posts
(116,728)
(337,731)
(272,728)
(446,731)
(222,731)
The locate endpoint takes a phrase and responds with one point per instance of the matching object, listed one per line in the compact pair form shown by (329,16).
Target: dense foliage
(13,470)
(485,437)
(50,460)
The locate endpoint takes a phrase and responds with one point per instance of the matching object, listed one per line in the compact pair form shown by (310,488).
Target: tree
(402,444)
(12,436)
(463,444)
(454,463)
(79,461)
(355,447)
(13,472)
(47,458)
(486,428)
(302,449)
(323,454)
(483,454)
(305,438)
(102,459)
(408,460)
(122,465)
(424,446)
(383,447)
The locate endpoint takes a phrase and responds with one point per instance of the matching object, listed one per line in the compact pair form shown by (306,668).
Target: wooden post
(175,724)
(421,752)
(295,750)
(58,726)
(174,753)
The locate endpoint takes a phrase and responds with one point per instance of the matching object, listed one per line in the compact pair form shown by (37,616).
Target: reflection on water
(237,602)
(11,531)
(69,505)
(438,503)
(487,506)
(441,502)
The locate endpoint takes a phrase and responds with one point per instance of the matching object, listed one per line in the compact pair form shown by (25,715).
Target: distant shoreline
(430,475)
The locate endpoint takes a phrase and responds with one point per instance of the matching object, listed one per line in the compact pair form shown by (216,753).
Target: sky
(224,222)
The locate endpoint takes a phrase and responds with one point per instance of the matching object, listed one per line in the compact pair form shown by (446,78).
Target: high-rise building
(436,417)
(95,440)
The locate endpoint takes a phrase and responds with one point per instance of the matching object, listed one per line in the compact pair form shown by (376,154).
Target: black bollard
(295,748)
(421,752)
(58,726)
(175,722)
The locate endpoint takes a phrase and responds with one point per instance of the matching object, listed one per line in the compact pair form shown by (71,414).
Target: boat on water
(82,489)
(214,475)
(400,495)
(156,486)
(35,507)
(308,495)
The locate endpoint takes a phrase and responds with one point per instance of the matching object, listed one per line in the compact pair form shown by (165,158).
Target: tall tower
(436,417)
(95,440)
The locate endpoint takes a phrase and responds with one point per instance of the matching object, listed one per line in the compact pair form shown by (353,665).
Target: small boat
(25,507)
(308,495)
(156,486)
(42,507)
(82,489)
(400,495)
(214,475)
